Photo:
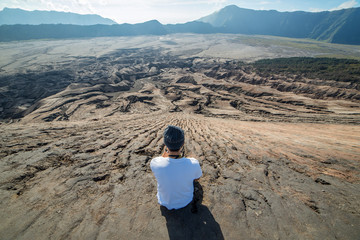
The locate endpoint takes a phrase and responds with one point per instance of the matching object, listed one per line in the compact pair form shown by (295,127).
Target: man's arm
(198,172)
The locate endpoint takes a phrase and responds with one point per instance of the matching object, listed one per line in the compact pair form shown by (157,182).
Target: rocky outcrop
(187,79)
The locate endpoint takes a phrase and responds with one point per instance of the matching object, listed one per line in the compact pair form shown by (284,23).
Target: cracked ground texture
(91,180)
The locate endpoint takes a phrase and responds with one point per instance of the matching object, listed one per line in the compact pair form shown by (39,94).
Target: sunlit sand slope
(91,179)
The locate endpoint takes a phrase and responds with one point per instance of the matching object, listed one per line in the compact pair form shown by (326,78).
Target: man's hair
(174,138)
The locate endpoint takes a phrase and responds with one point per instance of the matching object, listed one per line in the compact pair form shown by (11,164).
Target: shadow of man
(194,221)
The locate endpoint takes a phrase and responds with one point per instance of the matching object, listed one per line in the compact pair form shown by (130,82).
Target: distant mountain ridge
(11,16)
(342,26)
(60,31)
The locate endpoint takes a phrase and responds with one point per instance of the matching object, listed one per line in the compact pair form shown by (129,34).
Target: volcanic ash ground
(279,154)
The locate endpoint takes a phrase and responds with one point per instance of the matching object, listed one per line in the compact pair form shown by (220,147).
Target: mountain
(12,16)
(58,31)
(342,26)
(191,27)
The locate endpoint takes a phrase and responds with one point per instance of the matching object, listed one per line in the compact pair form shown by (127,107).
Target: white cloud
(348,4)
(78,6)
(264,2)
(316,10)
(268,2)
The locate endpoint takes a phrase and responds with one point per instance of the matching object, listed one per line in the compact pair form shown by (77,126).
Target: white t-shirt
(175,180)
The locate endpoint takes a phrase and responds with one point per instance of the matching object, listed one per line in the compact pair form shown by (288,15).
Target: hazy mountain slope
(330,24)
(239,20)
(343,24)
(347,33)
(58,31)
(18,16)
(193,27)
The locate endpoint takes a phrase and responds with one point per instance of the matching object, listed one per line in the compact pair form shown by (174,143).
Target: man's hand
(165,153)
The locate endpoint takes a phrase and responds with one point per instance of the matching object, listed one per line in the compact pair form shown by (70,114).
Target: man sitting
(174,173)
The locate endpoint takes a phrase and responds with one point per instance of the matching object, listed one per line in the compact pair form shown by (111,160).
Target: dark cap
(173,137)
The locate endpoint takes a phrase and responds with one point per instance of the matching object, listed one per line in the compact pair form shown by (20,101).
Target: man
(174,173)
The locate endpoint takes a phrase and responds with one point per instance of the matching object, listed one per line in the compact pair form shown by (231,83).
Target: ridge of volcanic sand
(237,95)
(92,175)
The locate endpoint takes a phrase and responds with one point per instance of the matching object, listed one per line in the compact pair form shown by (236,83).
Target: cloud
(78,6)
(348,4)
(316,10)
(268,2)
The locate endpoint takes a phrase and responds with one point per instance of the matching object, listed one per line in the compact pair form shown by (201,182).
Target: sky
(171,11)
